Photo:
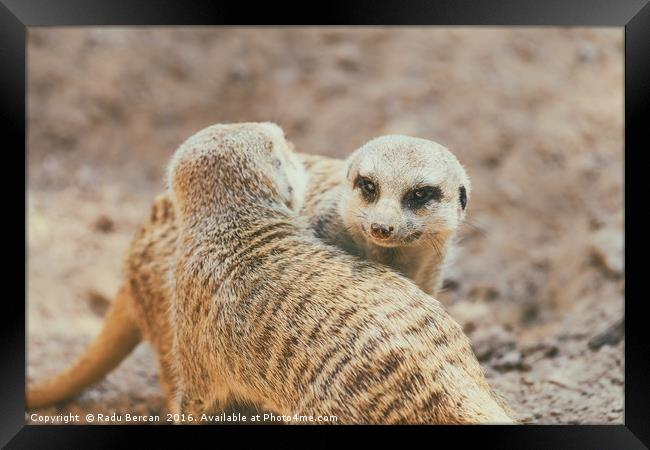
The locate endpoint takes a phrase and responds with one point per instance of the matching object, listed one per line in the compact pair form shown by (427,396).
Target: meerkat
(397,200)
(339,211)
(264,312)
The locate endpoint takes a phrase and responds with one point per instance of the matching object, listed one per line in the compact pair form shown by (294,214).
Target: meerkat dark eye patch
(368,188)
(462,196)
(419,197)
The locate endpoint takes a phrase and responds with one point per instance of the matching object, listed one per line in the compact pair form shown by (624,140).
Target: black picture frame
(634,15)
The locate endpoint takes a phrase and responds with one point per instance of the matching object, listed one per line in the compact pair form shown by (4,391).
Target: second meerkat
(397,200)
(264,312)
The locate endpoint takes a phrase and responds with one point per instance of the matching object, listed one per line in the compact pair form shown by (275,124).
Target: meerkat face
(402,191)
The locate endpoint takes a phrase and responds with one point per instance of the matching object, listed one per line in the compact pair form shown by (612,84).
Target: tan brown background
(535,115)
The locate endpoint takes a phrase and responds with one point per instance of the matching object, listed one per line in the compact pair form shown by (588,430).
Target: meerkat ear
(462,197)
(351,166)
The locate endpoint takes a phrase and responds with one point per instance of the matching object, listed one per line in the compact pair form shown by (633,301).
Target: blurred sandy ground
(535,115)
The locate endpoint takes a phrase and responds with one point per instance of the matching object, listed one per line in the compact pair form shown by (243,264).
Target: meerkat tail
(119,336)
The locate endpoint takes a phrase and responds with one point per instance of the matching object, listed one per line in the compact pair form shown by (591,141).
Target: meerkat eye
(421,196)
(367,187)
(462,197)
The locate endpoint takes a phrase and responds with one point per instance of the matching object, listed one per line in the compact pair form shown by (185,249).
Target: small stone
(526,418)
(97,302)
(559,380)
(469,312)
(348,58)
(607,251)
(491,341)
(611,336)
(530,313)
(551,352)
(613,415)
(512,360)
(103,224)
(450,284)
(617,381)
(469,327)
(484,292)
(546,349)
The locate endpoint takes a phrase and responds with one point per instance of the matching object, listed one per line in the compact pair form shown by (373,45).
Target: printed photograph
(325,225)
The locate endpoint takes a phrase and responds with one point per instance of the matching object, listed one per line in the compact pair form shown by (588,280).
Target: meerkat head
(223,166)
(401,191)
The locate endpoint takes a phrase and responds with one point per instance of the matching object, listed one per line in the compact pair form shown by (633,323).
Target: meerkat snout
(381,231)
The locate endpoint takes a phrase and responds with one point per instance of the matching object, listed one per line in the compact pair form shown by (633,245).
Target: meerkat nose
(381,231)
